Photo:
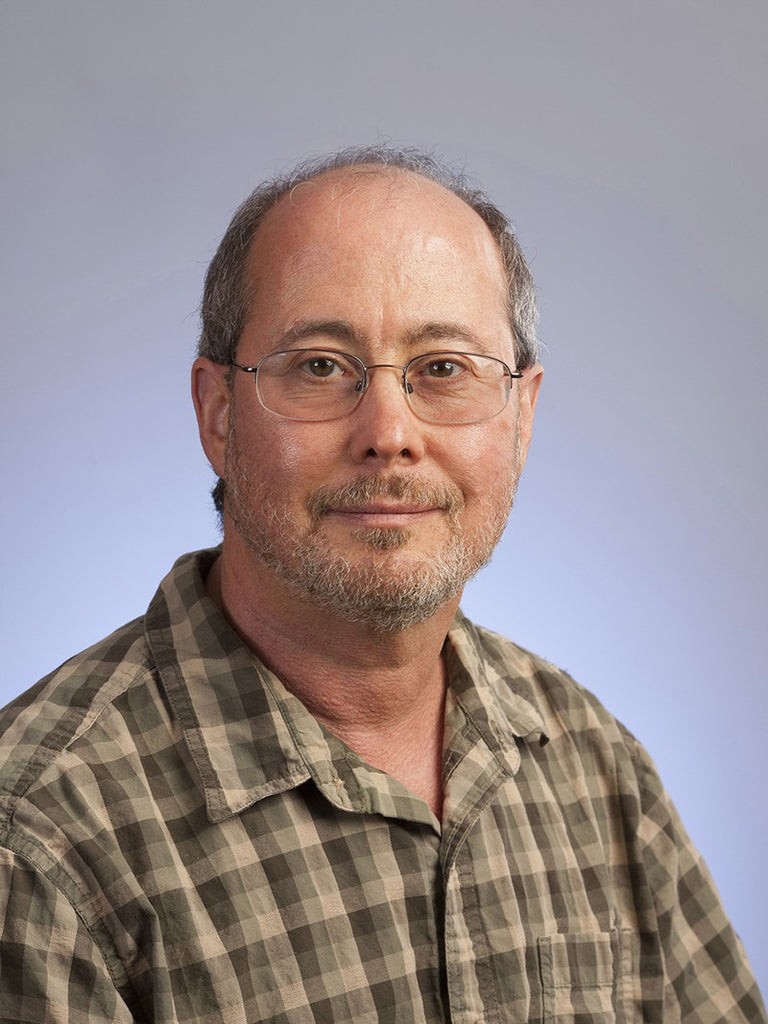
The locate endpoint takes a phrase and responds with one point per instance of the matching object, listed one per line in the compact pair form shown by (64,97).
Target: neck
(382,693)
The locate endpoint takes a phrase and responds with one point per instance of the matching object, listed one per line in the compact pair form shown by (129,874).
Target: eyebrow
(339,330)
(342,331)
(442,331)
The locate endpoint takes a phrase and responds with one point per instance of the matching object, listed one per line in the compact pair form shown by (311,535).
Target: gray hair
(227,295)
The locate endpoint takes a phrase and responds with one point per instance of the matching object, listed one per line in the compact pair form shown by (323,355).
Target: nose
(383,425)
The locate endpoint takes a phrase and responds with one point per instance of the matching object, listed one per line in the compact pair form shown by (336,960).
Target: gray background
(628,142)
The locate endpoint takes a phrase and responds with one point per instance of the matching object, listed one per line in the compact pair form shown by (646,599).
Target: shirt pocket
(580,977)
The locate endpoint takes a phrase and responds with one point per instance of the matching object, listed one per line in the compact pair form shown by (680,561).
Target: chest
(297,911)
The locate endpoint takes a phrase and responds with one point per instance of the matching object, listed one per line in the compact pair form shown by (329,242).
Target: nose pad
(362,385)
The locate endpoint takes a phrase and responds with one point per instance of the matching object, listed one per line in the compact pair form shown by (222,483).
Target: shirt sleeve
(51,970)
(707,976)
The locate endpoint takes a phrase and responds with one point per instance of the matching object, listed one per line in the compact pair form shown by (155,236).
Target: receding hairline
(229,280)
(352,179)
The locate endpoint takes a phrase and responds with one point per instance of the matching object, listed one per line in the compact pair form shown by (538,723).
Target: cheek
(483,460)
(290,454)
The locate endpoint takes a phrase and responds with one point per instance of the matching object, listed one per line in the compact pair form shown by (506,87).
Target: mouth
(380,502)
(381,516)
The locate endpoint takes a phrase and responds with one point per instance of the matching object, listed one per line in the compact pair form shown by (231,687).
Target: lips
(385,510)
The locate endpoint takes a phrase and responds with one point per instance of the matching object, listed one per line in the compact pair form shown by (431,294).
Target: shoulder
(582,736)
(62,709)
(563,704)
(70,778)
(587,757)
(102,702)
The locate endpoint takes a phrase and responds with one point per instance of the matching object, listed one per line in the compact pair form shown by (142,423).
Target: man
(303,787)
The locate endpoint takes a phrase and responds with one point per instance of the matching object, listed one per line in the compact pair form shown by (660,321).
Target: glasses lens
(309,384)
(453,387)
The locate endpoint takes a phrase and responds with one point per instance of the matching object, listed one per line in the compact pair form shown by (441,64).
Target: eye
(442,368)
(317,364)
(321,367)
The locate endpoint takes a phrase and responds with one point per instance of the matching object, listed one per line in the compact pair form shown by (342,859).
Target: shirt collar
(249,738)
(492,693)
(221,695)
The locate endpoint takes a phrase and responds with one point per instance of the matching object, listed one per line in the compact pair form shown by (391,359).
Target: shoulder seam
(60,738)
(110,959)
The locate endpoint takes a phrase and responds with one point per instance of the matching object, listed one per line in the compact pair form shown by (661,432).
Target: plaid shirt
(180,840)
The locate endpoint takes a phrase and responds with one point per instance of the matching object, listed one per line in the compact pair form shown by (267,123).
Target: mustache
(358,493)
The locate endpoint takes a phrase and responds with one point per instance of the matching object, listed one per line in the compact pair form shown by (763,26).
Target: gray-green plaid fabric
(181,841)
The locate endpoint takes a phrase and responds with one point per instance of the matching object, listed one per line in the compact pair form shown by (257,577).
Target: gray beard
(377,595)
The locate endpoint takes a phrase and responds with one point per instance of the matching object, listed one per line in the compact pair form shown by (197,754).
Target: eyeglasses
(315,384)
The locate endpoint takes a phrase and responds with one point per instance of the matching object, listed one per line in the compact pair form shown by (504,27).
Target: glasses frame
(362,386)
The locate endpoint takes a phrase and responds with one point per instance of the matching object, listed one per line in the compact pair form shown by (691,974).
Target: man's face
(377,516)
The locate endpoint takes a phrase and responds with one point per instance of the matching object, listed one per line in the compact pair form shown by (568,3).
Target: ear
(527,397)
(211,397)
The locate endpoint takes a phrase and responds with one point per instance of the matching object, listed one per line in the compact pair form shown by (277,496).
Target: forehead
(389,212)
(389,254)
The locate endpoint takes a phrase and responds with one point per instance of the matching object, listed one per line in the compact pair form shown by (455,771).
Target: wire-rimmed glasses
(315,384)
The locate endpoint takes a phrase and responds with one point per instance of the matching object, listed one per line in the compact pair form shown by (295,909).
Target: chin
(380,539)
